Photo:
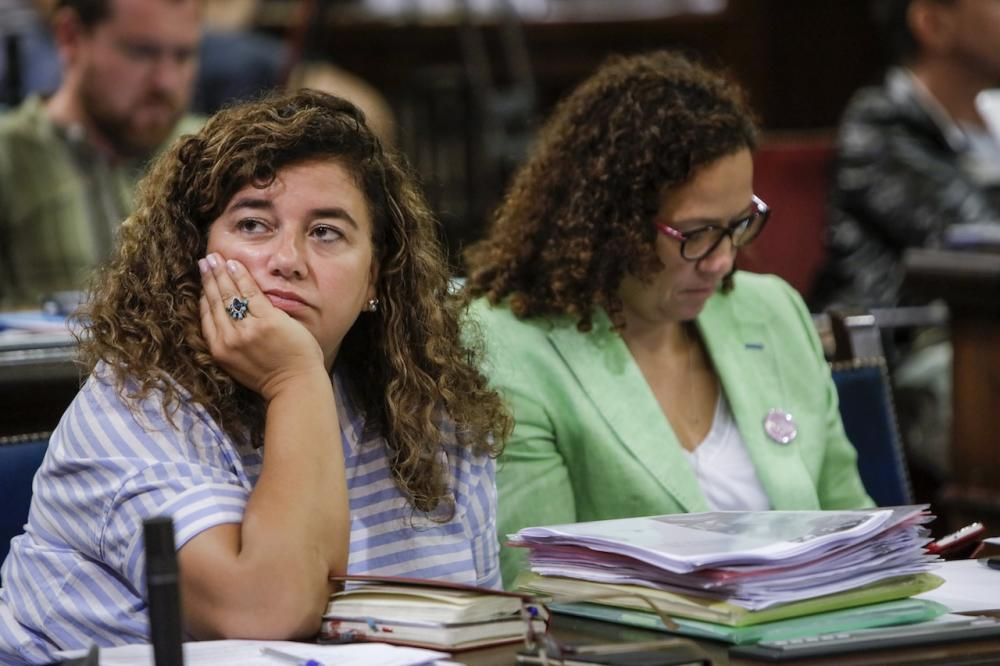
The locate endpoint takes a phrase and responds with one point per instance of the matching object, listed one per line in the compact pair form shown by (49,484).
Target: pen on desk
(993,562)
(289,658)
(962,536)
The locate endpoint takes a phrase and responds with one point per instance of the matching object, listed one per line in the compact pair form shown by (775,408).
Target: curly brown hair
(577,216)
(406,363)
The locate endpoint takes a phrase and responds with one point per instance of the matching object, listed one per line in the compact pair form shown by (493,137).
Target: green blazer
(592,443)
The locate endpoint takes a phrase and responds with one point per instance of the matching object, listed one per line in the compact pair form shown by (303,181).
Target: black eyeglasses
(701,242)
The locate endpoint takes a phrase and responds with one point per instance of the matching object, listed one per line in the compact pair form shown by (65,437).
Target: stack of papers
(739,569)
(718,611)
(754,559)
(889,613)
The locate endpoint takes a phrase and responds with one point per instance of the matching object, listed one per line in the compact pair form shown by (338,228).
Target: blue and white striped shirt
(77,576)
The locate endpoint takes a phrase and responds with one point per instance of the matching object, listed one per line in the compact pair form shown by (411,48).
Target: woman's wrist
(297,383)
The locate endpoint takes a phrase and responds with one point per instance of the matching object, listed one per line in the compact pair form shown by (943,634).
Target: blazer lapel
(746,353)
(606,372)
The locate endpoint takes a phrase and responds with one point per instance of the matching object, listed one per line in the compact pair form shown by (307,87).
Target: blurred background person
(914,156)
(69,162)
(645,375)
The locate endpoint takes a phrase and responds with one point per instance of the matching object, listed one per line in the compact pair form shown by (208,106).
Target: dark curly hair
(406,364)
(578,215)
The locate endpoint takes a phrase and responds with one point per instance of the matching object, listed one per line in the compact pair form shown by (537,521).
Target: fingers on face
(246,286)
(225,283)
(209,281)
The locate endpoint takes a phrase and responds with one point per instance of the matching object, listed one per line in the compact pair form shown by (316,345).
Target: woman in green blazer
(645,375)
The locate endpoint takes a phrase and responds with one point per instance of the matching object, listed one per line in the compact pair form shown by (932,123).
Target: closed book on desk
(435,635)
(423,613)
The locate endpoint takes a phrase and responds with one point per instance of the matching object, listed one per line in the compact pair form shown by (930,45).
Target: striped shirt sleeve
(485,546)
(177,467)
(197,497)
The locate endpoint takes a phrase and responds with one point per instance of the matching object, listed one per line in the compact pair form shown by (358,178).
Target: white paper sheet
(248,653)
(969,586)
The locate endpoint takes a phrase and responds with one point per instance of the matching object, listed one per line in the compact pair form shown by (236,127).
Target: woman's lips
(700,291)
(286,301)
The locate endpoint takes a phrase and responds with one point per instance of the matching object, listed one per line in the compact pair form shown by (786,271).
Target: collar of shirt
(903,85)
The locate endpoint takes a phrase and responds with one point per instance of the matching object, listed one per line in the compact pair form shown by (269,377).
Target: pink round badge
(780,426)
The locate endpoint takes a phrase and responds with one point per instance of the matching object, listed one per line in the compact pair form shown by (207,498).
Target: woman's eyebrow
(263,203)
(334,212)
(254,203)
(714,221)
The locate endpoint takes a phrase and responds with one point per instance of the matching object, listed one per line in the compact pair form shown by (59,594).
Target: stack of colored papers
(739,569)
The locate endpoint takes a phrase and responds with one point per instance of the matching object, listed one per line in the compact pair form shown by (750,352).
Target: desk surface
(38,379)
(37,355)
(568,629)
(968,587)
(967,280)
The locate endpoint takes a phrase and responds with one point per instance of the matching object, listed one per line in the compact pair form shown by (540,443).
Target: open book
(424,613)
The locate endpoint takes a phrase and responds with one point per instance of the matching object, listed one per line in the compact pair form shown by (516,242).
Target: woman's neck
(649,338)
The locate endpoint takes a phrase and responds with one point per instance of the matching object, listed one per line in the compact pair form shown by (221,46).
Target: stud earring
(372,305)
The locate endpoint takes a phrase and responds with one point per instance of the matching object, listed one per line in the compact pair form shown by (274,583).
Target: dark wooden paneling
(800,60)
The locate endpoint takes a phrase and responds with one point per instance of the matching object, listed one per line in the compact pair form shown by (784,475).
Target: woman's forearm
(268,577)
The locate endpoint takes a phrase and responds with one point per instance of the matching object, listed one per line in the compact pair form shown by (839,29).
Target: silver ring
(238,309)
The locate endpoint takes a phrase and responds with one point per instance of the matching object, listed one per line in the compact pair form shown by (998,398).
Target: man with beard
(69,163)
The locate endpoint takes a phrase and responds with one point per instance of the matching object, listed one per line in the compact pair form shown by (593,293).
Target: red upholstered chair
(791,174)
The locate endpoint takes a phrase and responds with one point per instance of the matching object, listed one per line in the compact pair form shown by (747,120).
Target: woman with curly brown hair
(646,375)
(278,249)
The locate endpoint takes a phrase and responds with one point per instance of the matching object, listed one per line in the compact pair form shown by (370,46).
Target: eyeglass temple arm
(670,231)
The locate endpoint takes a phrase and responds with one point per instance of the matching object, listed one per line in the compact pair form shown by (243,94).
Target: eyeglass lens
(701,242)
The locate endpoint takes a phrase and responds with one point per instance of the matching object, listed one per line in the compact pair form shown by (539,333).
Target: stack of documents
(738,569)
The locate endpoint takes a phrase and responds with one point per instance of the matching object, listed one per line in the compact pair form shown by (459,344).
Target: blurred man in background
(69,163)
(914,161)
(914,155)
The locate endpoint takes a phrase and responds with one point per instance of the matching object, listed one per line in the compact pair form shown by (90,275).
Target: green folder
(678,605)
(888,613)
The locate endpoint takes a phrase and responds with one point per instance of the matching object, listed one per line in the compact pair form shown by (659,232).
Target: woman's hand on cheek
(263,350)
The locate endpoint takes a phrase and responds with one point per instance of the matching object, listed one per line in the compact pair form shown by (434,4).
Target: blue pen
(288,657)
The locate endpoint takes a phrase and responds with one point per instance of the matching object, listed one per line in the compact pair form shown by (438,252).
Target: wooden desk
(576,629)
(38,380)
(969,282)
